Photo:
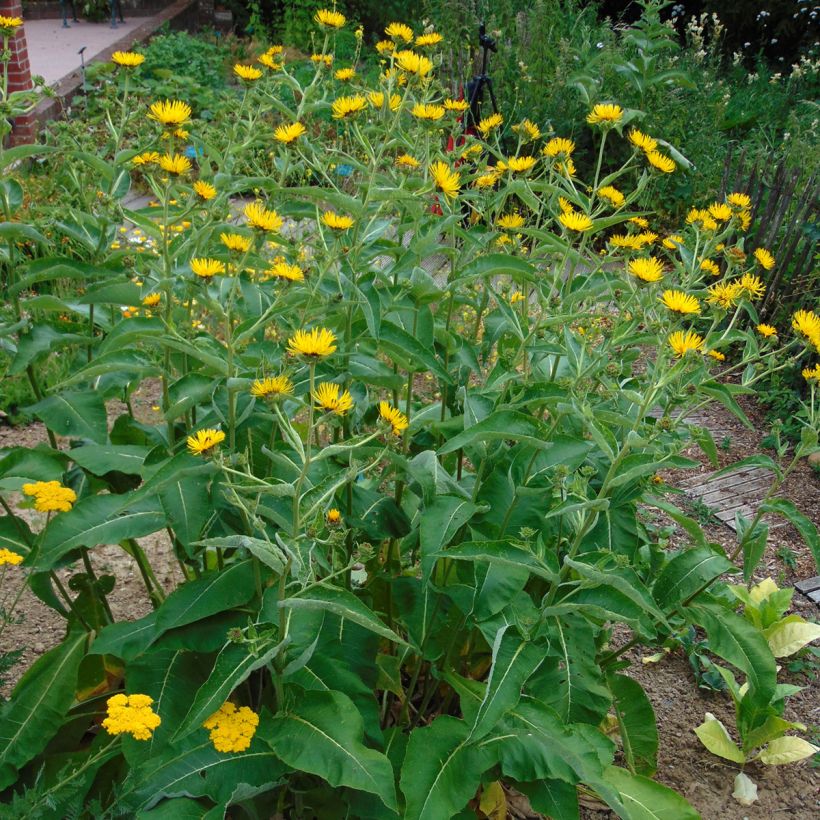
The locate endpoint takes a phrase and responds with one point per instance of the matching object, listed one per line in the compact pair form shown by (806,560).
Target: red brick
(19,69)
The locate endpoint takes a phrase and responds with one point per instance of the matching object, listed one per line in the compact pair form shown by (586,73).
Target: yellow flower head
(329,19)
(406,161)
(520,165)
(414,63)
(203,441)
(274,387)
(456,105)
(765,258)
(344,107)
(720,211)
(394,417)
(639,221)
(427,111)
(433,38)
(565,205)
(517,297)
(248,73)
(321,60)
(683,343)
(269,61)
(284,270)
(207,268)
(559,146)
(447,181)
(344,74)
(807,323)
(204,190)
(289,133)
(529,130)
(127,59)
(716,355)
(334,517)
(710,267)
(339,222)
(767,331)
(175,163)
(680,302)
(50,496)
(625,240)
(510,222)
(605,114)
(660,161)
(236,242)
(648,269)
(152,300)
(739,201)
(131,715)
(9,25)
(574,221)
(261,218)
(170,112)
(724,294)
(385,46)
(232,729)
(317,343)
(488,124)
(330,398)
(642,141)
(9,557)
(399,31)
(812,374)
(752,286)
(673,241)
(612,195)
(146,158)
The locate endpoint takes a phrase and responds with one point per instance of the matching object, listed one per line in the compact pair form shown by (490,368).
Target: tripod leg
(492,95)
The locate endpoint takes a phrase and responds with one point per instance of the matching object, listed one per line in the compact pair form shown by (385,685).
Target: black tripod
(476,86)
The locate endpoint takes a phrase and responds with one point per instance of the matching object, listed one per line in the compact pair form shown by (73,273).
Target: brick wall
(19,71)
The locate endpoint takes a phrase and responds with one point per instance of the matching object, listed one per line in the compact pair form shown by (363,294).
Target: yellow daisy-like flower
(203,441)
(236,242)
(612,195)
(282,269)
(739,201)
(510,222)
(204,190)
(248,73)
(489,124)
(565,205)
(344,74)
(529,129)
(486,180)
(639,221)
(605,114)
(330,398)
(413,63)
(520,165)
(673,241)
(9,25)
(720,211)
(456,105)
(752,286)
(329,19)
(339,222)
(289,133)
(385,46)
(152,300)
(642,141)
(710,267)
(645,238)
(344,107)
(231,728)
(767,331)
(648,269)
(127,59)
(317,343)
(273,387)
(433,38)
(146,158)
(321,60)
(574,221)
(716,355)
(406,161)
(376,99)
(624,240)
(807,322)
(812,374)
(724,294)
(334,517)
(685,342)
(765,258)
(269,61)
(517,297)
(9,557)
(261,218)
(394,417)
(745,219)
(50,496)
(680,302)
(707,222)
(207,268)
(170,112)
(447,181)
(175,164)
(399,31)
(131,715)
(559,146)
(427,111)
(660,161)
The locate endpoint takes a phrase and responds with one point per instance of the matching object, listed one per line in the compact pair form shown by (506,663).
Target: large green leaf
(498,552)
(101,459)
(76,415)
(187,503)
(38,705)
(552,798)
(126,639)
(440,522)
(686,573)
(636,721)
(322,734)
(506,425)
(804,525)
(645,799)
(442,769)
(407,351)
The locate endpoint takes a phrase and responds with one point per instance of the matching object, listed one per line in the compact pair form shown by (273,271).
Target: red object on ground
(24,128)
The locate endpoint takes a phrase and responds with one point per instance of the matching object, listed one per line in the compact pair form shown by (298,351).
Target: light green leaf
(644,799)
(790,635)
(784,750)
(713,735)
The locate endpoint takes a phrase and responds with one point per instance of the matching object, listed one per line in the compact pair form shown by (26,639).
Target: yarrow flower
(203,441)
(394,417)
(175,164)
(207,268)
(236,242)
(170,112)
(680,302)
(685,342)
(316,343)
(329,397)
(345,107)
(127,59)
(648,269)
(273,387)
(9,557)
(605,114)
(50,496)
(231,728)
(447,181)
(413,63)
(248,73)
(289,133)
(204,189)
(131,715)
(338,222)
(765,258)
(329,19)
(262,219)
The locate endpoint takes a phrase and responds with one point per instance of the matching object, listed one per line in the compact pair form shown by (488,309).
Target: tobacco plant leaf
(790,634)
(686,573)
(645,799)
(713,735)
(552,798)
(784,750)
(636,721)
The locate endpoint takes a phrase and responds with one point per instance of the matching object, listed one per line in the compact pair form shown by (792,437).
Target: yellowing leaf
(494,802)
(786,750)
(713,735)
(790,635)
(745,790)
(759,592)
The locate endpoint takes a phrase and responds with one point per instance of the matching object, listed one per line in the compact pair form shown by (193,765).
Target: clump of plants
(409,400)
